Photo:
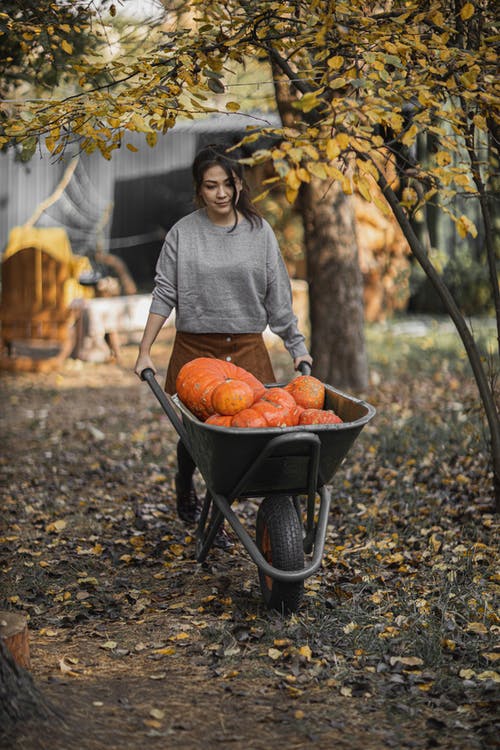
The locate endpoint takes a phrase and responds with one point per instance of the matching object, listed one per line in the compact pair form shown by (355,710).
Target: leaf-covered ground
(137,645)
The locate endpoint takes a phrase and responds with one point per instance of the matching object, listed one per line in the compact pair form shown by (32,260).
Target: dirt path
(137,645)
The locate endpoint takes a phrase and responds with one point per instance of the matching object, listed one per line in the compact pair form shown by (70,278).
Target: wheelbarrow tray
(223,454)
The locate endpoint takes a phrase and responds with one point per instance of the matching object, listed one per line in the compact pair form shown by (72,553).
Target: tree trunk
(20,699)
(14,635)
(335,286)
(335,281)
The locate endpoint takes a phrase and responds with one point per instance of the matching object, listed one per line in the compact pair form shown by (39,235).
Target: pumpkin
(273,414)
(220,420)
(198,378)
(278,407)
(280,397)
(248,418)
(308,391)
(319,416)
(232,396)
(296,412)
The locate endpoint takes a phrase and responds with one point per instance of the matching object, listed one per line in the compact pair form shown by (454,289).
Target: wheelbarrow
(287,468)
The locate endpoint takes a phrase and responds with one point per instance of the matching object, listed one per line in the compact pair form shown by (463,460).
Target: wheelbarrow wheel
(279,538)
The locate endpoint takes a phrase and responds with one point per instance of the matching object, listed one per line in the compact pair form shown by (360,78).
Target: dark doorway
(144,210)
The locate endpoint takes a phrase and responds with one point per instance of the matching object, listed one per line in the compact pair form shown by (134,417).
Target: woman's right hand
(143,361)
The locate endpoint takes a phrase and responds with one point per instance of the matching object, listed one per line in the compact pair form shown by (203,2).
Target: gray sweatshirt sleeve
(278,303)
(165,290)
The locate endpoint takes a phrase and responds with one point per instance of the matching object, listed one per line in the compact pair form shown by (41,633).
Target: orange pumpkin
(278,407)
(308,391)
(248,418)
(198,378)
(232,396)
(280,397)
(220,420)
(319,416)
(296,412)
(273,414)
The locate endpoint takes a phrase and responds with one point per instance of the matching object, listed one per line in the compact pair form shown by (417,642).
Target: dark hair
(217,154)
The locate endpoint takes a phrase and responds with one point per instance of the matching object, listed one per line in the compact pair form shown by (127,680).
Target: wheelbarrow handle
(148,374)
(304,368)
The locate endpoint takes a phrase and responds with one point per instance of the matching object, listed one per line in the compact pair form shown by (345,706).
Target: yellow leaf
(274,653)
(308,102)
(295,153)
(435,542)
(179,637)
(306,652)
(382,205)
(50,143)
(176,549)
(364,188)
(151,138)
(464,227)
(425,686)
(410,135)
(467,674)
(443,158)
(232,106)
(132,148)
(332,148)
(343,140)
(489,675)
(317,169)
(157,713)
(335,62)
(66,46)
(138,122)
(304,174)
(109,645)
(311,151)
(450,645)
(338,83)
(480,122)
(469,78)
(293,180)
(467,12)
(56,526)
(280,642)
(491,655)
(477,627)
(66,669)
(407,661)
(350,627)
(291,195)
(165,651)
(49,632)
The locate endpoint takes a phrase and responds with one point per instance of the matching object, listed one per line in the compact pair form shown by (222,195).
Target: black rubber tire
(279,539)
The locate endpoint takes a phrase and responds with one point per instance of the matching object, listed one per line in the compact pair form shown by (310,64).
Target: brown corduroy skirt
(246,350)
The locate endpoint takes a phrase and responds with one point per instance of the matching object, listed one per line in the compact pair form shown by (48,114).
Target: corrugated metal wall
(24,186)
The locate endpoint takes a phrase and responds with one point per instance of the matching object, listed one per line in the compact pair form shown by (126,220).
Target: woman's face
(217,194)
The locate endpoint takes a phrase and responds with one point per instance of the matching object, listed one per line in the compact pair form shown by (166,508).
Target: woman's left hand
(304,358)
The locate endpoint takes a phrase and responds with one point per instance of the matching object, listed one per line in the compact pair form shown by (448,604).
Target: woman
(221,269)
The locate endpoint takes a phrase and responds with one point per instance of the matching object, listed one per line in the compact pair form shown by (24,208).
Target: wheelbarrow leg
(207,528)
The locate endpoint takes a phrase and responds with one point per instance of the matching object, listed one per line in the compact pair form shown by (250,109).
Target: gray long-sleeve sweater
(221,281)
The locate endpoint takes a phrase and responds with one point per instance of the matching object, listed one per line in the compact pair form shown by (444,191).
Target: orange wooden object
(34,309)
(14,634)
